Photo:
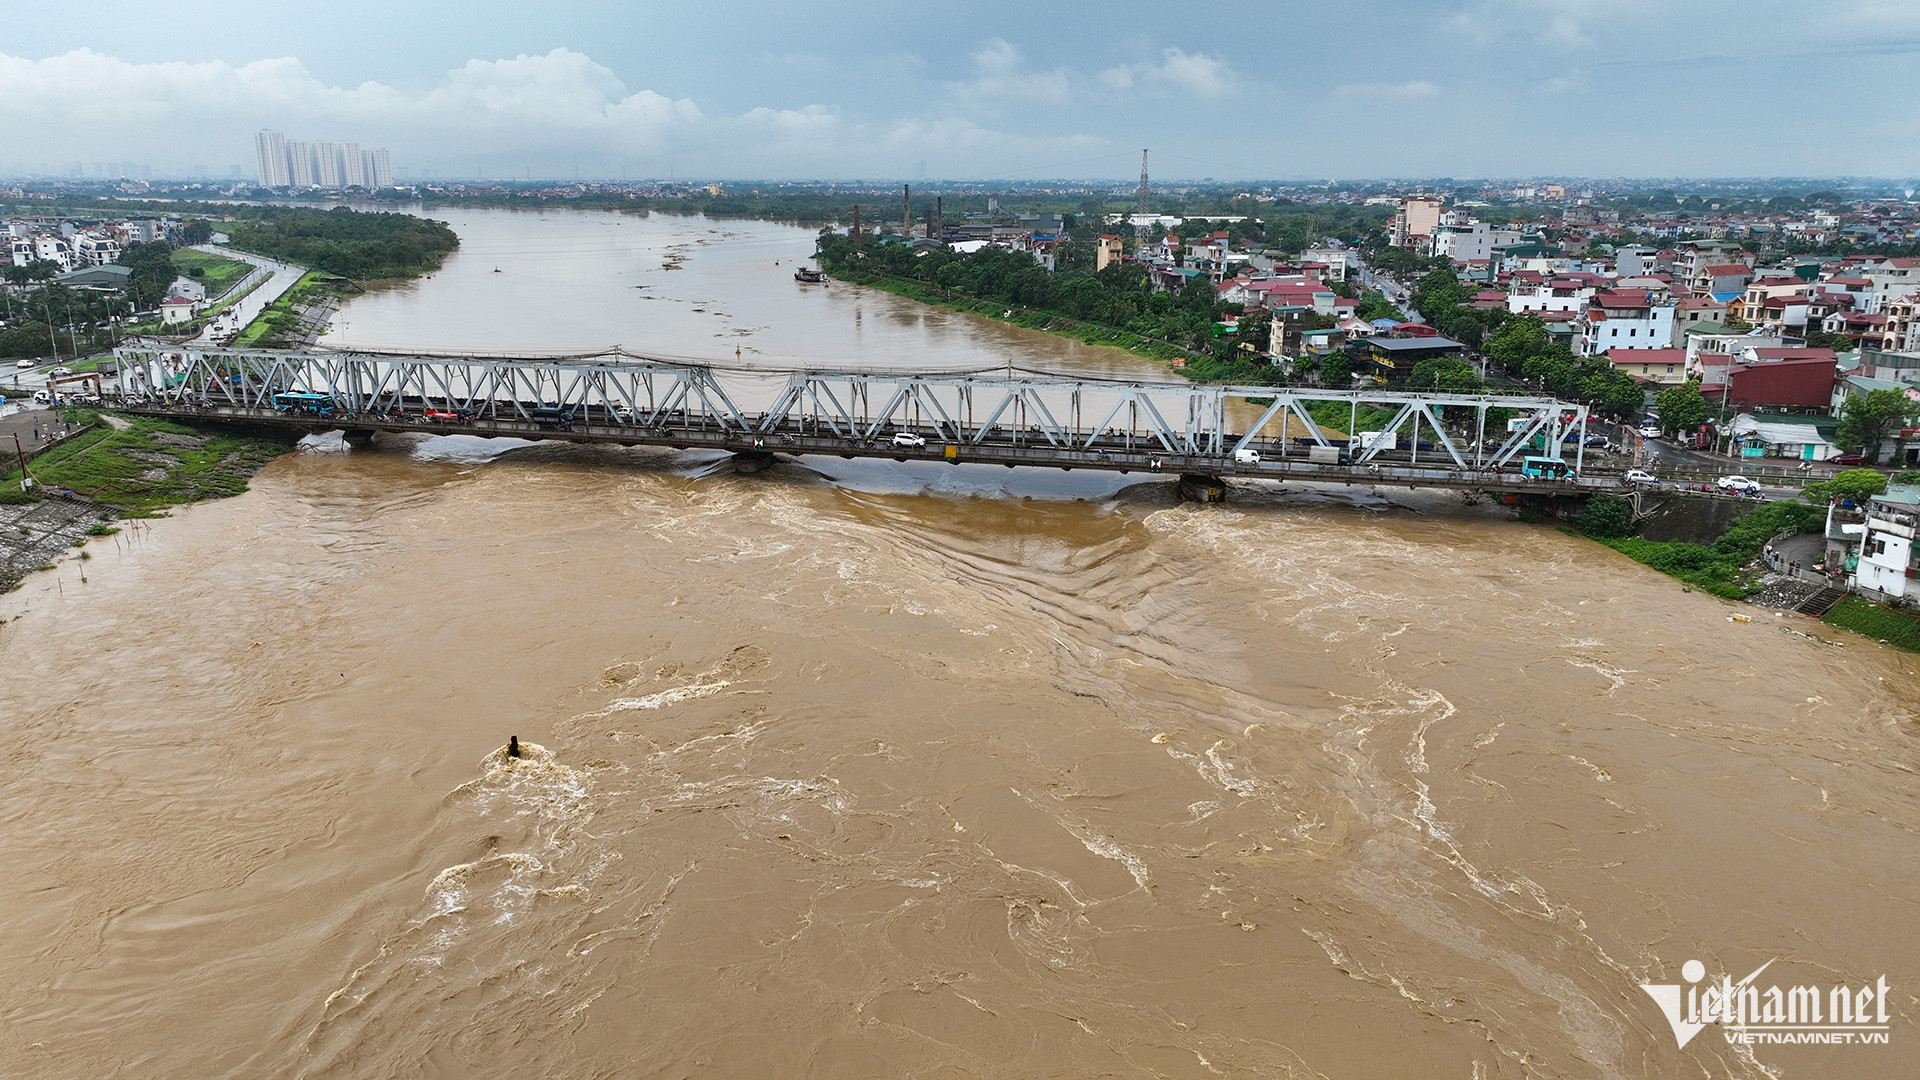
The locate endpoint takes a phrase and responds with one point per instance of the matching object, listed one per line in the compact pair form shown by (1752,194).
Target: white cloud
(85,105)
(1195,73)
(1406,91)
(1001,74)
(549,112)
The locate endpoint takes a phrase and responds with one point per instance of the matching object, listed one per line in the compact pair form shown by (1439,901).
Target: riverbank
(1726,565)
(299,314)
(1729,566)
(1882,624)
(119,467)
(1050,322)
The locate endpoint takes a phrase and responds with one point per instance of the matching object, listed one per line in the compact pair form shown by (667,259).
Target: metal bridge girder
(1067,412)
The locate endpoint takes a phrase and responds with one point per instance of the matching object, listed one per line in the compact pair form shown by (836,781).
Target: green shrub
(1605,516)
(1717,567)
(1879,623)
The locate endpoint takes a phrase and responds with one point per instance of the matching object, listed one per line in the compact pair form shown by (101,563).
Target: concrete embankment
(1695,519)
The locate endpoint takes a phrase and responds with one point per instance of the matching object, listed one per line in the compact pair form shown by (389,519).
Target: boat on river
(810,276)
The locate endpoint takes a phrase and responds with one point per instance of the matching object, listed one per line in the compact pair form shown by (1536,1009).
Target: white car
(1639,476)
(61,371)
(1737,484)
(908,438)
(1651,431)
(24,364)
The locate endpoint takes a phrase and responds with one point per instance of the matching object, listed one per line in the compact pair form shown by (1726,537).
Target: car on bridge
(1640,476)
(908,438)
(1737,485)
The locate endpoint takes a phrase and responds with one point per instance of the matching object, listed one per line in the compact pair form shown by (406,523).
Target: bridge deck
(1277,463)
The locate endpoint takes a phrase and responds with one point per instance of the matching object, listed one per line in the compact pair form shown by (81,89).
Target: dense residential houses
(85,254)
(71,244)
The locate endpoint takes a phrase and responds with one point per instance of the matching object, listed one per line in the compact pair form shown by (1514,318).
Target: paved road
(249,307)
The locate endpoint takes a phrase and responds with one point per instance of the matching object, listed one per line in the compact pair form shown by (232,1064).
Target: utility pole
(1142,195)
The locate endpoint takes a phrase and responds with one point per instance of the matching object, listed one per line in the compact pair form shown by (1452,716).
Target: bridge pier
(1202,489)
(751,461)
(358,438)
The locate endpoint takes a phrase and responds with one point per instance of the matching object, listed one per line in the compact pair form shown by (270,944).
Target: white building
(54,249)
(1557,294)
(1624,319)
(1339,261)
(304,163)
(270,159)
(1892,279)
(302,166)
(377,167)
(1887,558)
(93,248)
(1471,242)
(178,309)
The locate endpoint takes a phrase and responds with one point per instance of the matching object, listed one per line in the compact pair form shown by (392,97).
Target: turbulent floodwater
(850,769)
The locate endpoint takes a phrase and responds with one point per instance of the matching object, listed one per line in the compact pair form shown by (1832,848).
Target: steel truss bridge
(1000,416)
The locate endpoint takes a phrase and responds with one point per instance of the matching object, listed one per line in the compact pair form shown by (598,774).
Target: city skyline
(307,163)
(1276,91)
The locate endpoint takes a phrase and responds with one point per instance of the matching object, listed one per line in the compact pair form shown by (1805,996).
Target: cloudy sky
(979,89)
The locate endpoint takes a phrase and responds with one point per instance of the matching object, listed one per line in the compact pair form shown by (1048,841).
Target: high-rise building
(353,169)
(327,172)
(270,154)
(300,164)
(378,168)
(284,162)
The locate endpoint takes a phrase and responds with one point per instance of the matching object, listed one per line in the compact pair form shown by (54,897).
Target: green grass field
(279,317)
(152,464)
(217,272)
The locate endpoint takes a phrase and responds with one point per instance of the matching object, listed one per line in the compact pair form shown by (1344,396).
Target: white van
(1246,457)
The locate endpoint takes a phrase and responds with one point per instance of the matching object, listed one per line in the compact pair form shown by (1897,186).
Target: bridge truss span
(1003,407)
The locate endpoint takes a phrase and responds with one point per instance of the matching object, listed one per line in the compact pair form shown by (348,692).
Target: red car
(1847,459)
(442,415)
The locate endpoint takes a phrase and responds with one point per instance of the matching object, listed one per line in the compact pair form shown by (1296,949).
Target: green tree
(1436,292)
(1515,341)
(1682,408)
(1373,306)
(1443,373)
(1336,371)
(1605,516)
(1856,484)
(1867,420)
(196,232)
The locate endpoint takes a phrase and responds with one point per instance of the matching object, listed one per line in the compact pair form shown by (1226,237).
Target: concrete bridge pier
(1203,489)
(358,438)
(751,461)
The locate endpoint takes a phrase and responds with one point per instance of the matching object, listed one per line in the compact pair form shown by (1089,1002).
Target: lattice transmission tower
(1143,193)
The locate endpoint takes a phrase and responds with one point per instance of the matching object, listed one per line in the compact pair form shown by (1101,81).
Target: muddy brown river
(856,769)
